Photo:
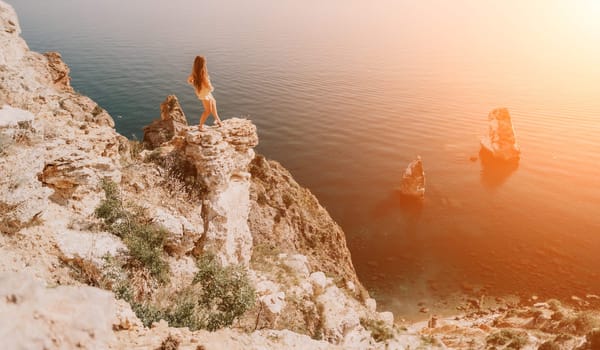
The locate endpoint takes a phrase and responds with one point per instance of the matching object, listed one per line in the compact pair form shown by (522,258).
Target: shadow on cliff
(495,172)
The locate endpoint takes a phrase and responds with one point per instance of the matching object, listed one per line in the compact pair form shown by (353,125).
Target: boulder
(340,314)
(273,304)
(172,121)
(501,141)
(93,246)
(413,180)
(318,281)
(297,263)
(182,233)
(15,118)
(63,317)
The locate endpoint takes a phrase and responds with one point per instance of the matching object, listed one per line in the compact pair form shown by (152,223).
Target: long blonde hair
(200,74)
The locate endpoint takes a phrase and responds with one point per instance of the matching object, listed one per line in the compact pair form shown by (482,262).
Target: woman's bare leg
(213,110)
(205,114)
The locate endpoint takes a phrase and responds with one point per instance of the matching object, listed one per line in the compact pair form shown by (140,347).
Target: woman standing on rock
(201,83)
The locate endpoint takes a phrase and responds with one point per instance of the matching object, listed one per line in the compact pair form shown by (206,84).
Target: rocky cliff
(111,244)
(83,205)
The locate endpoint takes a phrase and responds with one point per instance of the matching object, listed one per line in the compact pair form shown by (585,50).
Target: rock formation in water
(413,180)
(67,280)
(501,141)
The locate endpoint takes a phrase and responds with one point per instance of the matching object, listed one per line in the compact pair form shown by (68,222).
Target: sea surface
(345,93)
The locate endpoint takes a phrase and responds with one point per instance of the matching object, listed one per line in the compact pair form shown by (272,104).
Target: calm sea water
(347,93)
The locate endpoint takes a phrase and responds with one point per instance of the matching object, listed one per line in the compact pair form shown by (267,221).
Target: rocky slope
(59,150)
(104,244)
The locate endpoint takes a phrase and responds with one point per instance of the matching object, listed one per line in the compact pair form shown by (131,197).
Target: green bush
(226,292)
(111,208)
(144,239)
(216,297)
(379,330)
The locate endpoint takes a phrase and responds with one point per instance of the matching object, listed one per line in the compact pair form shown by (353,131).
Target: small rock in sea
(424,310)
(432,323)
(473,158)
(592,296)
(534,297)
(413,180)
(501,141)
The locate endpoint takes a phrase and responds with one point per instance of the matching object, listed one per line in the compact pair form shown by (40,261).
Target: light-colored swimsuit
(205,93)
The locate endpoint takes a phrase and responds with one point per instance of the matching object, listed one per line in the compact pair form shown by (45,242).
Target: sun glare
(587,17)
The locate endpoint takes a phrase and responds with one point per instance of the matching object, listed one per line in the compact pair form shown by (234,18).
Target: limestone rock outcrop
(15,118)
(172,121)
(290,217)
(65,317)
(413,180)
(222,157)
(500,140)
(59,71)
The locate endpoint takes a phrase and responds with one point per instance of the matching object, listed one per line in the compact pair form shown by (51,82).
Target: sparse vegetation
(135,148)
(226,292)
(216,297)
(144,239)
(379,330)
(170,343)
(84,270)
(179,174)
(511,339)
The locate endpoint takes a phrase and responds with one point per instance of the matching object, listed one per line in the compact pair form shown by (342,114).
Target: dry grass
(179,175)
(135,148)
(170,343)
(84,270)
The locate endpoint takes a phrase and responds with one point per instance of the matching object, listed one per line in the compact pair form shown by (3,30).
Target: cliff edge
(189,240)
(82,205)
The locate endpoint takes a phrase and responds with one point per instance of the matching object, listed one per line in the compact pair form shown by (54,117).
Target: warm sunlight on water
(346,93)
